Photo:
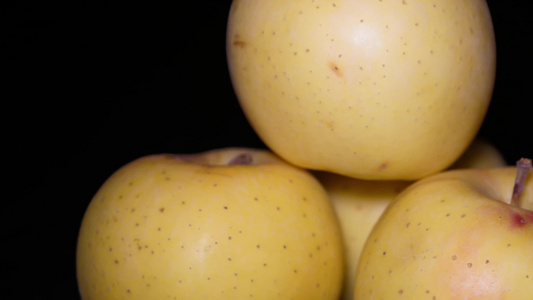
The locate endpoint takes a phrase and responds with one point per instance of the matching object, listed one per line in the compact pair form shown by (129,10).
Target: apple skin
(198,227)
(386,90)
(453,235)
(358,204)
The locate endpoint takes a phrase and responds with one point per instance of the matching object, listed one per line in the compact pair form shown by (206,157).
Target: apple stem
(241,159)
(522,169)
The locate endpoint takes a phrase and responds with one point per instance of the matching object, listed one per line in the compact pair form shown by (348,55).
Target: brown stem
(522,169)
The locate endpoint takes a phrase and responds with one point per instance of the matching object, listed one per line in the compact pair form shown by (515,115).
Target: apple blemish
(520,220)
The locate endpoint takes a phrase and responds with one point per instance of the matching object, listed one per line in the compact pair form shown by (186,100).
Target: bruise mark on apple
(329,124)
(383,166)
(518,220)
(237,42)
(334,67)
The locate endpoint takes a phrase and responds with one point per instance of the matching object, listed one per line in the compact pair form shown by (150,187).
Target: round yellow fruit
(359,205)
(392,90)
(453,235)
(225,224)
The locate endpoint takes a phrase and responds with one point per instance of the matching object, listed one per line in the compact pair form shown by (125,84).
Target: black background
(92,86)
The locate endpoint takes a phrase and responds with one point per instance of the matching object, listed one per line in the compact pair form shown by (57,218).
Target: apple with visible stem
(360,203)
(232,223)
(376,90)
(460,234)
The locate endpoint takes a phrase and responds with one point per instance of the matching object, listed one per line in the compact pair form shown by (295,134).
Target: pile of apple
(373,186)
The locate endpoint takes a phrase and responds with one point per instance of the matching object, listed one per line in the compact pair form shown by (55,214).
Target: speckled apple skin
(358,204)
(164,228)
(388,90)
(452,236)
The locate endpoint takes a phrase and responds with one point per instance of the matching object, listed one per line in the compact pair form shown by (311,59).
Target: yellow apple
(358,204)
(480,154)
(389,90)
(454,235)
(230,223)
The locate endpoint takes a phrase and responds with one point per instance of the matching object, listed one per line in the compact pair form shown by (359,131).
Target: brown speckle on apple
(335,69)
(237,42)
